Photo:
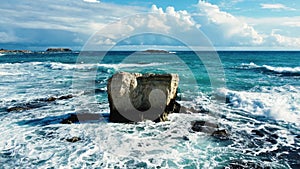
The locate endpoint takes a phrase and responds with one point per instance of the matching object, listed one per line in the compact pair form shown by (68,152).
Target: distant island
(49,50)
(14,51)
(58,50)
(155,51)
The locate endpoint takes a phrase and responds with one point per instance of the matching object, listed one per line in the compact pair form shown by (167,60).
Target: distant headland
(14,51)
(48,50)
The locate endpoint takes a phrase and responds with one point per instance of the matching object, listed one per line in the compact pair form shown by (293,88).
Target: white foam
(9,74)
(55,65)
(281,103)
(283,69)
(252,65)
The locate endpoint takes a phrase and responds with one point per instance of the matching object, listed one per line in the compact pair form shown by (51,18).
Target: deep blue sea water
(260,110)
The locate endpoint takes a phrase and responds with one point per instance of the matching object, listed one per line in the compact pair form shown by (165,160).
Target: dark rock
(27,106)
(17,109)
(271,140)
(73,139)
(295,165)
(210,128)
(185,138)
(259,133)
(71,119)
(51,99)
(203,110)
(82,117)
(271,129)
(239,164)
(221,134)
(268,136)
(65,97)
(204,126)
(58,50)
(135,97)
(36,103)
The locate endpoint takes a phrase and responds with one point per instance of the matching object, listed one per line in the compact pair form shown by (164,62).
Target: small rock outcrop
(58,50)
(81,117)
(210,128)
(73,139)
(135,97)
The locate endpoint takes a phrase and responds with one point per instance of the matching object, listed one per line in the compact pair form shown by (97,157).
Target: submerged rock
(73,139)
(71,119)
(210,128)
(240,164)
(204,126)
(82,117)
(26,106)
(221,134)
(136,97)
(37,103)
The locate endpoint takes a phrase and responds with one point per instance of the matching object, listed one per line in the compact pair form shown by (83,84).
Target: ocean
(260,111)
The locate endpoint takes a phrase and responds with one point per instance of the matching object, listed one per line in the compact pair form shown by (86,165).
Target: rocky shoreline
(48,50)
(3,51)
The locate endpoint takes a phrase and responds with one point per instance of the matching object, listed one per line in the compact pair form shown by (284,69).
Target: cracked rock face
(135,97)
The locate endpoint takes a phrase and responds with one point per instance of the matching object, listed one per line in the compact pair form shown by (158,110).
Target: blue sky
(228,24)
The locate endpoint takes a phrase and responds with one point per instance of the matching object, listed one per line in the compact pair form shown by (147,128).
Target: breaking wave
(282,71)
(279,103)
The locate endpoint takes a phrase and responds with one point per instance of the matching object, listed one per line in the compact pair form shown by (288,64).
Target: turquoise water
(261,111)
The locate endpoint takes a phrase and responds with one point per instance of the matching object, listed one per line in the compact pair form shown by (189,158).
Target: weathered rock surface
(135,97)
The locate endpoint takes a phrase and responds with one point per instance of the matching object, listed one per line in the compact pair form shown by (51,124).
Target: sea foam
(284,71)
(280,103)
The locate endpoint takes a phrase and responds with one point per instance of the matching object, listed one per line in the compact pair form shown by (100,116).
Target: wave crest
(280,103)
(282,71)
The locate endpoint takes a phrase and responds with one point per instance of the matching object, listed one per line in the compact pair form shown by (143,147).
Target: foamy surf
(284,71)
(262,121)
(280,103)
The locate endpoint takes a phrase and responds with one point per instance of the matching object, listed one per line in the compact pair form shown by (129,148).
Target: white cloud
(8,38)
(284,41)
(229,4)
(78,20)
(91,1)
(276,6)
(292,23)
(225,29)
(69,16)
(168,23)
(277,30)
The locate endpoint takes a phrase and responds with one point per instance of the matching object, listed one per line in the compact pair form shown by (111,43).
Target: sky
(227,24)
